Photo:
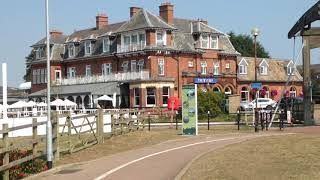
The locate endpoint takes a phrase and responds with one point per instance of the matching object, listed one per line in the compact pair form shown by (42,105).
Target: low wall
(316,114)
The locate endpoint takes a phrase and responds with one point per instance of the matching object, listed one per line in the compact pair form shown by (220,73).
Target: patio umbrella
(114,100)
(31,104)
(57,102)
(104,98)
(67,102)
(19,104)
(42,104)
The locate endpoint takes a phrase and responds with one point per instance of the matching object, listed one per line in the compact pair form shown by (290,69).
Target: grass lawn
(139,139)
(279,157)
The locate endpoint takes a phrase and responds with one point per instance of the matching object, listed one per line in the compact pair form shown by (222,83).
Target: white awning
(104,98)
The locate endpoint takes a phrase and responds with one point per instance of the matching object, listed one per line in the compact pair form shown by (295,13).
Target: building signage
(205,80)
(256,85)
(189,110)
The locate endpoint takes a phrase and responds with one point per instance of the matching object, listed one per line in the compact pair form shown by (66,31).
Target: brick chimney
(166,12)
(134,11)
(55,33)
(101,20)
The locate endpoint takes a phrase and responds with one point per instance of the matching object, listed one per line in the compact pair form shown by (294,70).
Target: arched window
(227,91)
(79,102)
(293,92)
(70,98)
(244,94)
(216,90)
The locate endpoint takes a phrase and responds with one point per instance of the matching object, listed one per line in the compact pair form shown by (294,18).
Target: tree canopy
(244,44)
(27,76)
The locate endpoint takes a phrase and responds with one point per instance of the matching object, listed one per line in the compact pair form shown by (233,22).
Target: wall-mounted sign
(199,80)
(189,110)
(256,85)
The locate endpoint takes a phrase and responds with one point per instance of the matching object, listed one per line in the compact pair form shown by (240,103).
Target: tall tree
(27,76)
(244,44)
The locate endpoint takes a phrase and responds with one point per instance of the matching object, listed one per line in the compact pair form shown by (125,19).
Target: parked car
(262,103)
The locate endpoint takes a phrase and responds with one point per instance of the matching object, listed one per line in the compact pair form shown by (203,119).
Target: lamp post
(255,32)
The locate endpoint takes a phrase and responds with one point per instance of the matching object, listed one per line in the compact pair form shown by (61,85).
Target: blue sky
(22,22)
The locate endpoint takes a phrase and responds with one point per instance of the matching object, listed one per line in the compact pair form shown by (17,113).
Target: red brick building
(272,73)
(142,61)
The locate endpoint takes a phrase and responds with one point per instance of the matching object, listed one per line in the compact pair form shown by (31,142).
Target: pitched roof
(277,71)
(143,20)
(54,39)
(200,27)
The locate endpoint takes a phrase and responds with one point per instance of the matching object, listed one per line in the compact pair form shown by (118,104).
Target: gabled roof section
(290,63)
(144,20)
(200,27)
(243,60)
(53,40)
(263,63)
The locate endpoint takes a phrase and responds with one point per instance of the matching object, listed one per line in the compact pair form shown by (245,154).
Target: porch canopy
(311,39)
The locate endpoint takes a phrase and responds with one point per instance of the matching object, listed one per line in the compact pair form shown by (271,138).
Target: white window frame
(165,95)
(216,68)
(42,76)
(133,66)
(154,96)
(291,68)
(142,42)
(140,65)
(87,47)
(71,72)
(263,67)
(125,66)
(246,94)
(162,42)
(136,94)
(203,65)
(88,70)
(227,65)
(55,75)
(190,63)
(243,65)
(204,43)
(40,52)
(71,50)
(105,44)
(212,40)
(161,67)
(106,69)
(293,93)
(34,76)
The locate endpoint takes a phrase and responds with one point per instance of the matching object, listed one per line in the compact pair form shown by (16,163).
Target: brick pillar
(143,94)
(131,97)
(159,95)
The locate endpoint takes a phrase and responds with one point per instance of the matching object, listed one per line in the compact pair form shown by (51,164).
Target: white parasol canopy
(114,100)
(42,104)
(104,98)
(57,102)
(31,104)
(67,102)
(19,104)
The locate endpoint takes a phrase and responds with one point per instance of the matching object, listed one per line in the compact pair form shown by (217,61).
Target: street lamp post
(255,32)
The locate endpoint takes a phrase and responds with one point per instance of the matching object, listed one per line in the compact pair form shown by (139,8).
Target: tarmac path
(161,161)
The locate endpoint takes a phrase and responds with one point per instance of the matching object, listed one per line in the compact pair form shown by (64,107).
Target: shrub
(210,101)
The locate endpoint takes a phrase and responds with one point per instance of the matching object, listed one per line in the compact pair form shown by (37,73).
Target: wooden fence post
(34,136)
(100,125)
(5,161)
(55,138)
(68,119)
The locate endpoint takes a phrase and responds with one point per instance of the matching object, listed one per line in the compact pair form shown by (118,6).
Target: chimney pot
(134,11)
(166,12)
(101,20)
(56,33)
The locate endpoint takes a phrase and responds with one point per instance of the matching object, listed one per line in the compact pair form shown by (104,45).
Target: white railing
(130,48)
(142,75)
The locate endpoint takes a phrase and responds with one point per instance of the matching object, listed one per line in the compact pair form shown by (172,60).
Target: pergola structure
(311,39)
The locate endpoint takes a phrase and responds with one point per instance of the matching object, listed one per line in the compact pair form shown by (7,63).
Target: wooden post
(68,119)
(5,161)
(55,138)
(100,125)
(34,137)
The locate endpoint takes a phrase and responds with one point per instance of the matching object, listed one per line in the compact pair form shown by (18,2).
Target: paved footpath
(161,161)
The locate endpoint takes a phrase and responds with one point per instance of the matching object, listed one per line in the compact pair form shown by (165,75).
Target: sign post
(189,110)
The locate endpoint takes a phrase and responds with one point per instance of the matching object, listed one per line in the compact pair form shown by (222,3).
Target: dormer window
(87,47)
(209,41)
(40,53)
(290,68)
(205,41)
(71,50)
(243,67)
(263,67)
(161,38)
(214,42)
(105,45)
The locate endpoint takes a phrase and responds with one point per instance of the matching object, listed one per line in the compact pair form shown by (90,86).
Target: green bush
(210,101)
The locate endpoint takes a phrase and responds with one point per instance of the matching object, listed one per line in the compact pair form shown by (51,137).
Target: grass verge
(278,157)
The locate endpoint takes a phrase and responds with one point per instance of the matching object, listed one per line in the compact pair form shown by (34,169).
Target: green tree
(244,44)
(209,101)
(27,76)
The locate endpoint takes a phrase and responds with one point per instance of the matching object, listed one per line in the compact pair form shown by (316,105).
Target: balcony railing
(128,76)
(130,48)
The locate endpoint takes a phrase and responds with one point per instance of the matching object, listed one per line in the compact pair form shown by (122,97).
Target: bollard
(176,120)
(238,119)
(149,119)
(281,123)
(208,120)
(262,120)
(256,121)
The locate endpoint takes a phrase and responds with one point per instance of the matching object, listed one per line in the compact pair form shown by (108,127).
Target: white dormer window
(125,66)
(243,67)
(71,50)
(87,48)
(105,45)
(40,53)
(214,42)
(204,40)
(142,39)
(263,67)
(216,67)
(161,38)
(291,68)
(203,67)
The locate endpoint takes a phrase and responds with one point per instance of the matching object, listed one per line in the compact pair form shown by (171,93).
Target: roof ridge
(144,12)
